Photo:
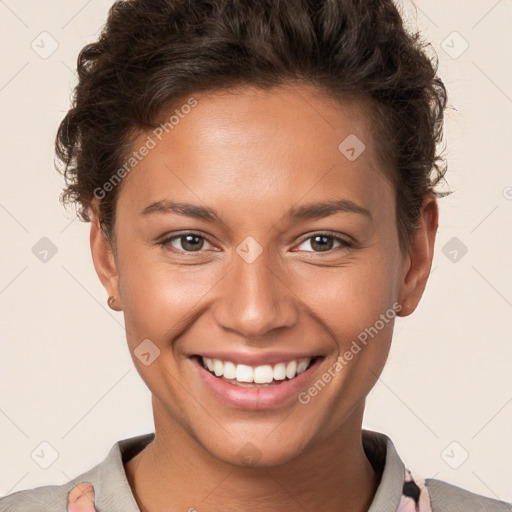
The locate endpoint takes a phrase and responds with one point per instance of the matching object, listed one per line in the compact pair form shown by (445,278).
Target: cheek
(352,297)
(159,298)
(348,304)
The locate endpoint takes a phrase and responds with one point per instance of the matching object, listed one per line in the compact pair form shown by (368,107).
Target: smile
(257,382)
(242,374)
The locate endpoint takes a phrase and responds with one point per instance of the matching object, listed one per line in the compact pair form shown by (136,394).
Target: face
(249,242)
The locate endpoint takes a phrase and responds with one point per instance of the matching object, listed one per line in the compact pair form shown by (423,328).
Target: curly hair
(153,53)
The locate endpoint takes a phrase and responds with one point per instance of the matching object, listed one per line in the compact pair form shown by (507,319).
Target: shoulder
(39,499)
(53,497)
(108,479)
(446,497)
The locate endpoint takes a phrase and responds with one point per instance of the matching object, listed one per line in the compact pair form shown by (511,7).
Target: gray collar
(389,493)
(113,492)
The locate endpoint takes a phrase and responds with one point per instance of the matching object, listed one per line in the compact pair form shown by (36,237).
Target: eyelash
(344,244)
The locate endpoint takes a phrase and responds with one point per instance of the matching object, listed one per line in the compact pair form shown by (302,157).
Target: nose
(255,299)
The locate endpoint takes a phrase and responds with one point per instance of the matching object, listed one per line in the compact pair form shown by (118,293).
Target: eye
(189,242)
(324,242)
(194,242)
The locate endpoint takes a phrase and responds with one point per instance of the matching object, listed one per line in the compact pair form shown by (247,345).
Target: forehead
(249,146)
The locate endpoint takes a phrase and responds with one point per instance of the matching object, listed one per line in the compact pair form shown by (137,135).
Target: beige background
(66,377)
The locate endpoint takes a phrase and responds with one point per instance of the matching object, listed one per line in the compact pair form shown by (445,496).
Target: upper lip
(258,359)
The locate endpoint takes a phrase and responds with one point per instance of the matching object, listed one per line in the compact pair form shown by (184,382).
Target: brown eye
(187,242)
(322,243)
(191,242)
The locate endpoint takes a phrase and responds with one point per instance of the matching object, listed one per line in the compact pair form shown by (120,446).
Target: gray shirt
(397,491)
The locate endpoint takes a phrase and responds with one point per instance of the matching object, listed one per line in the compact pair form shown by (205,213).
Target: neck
(333,474)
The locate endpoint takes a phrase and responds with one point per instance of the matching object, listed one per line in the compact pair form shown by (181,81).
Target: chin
(259,450)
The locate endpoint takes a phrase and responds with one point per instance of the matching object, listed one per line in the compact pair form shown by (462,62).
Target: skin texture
(252,155)
(81,498)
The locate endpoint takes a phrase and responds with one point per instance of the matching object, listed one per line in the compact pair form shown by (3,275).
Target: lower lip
(255,398)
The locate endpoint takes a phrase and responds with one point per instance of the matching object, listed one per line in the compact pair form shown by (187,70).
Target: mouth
(256,376)
(256,386)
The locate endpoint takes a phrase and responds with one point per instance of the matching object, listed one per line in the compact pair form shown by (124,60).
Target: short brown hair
(153,52)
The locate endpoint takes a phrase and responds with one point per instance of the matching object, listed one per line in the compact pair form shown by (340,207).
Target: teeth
(244,373)
(280,371)
(209,363)
(301,367)
(263,374)
(291,369)
(218,367)
(258,375)
(229,370)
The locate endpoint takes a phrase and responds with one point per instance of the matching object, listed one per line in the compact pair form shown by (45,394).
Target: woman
(260,181)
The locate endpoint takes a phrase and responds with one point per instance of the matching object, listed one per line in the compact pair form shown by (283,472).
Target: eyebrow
(310,211)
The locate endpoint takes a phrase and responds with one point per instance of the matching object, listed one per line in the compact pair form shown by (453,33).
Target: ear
(418,262)
(104,260)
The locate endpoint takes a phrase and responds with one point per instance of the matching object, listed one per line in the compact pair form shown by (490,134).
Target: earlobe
(418,263)
(104,263)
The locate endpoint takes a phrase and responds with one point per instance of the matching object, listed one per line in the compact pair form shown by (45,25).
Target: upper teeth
(259,374)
